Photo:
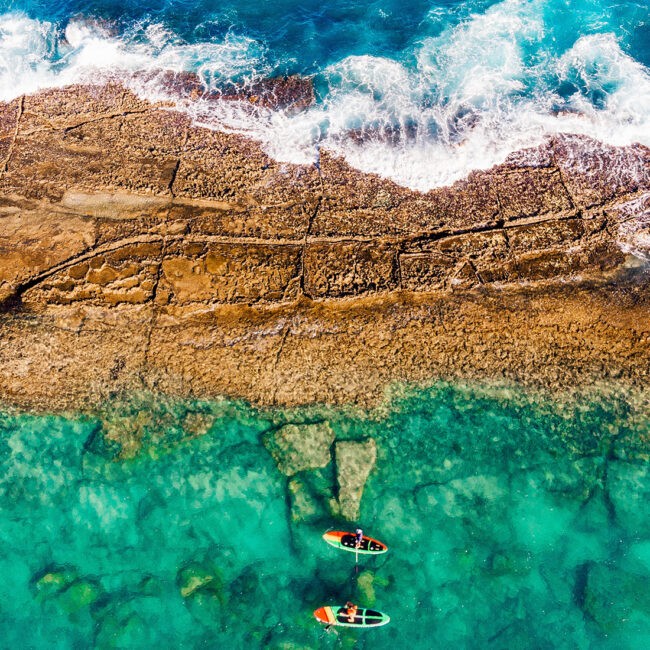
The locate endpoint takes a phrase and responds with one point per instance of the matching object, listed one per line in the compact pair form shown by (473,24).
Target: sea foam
(461,96)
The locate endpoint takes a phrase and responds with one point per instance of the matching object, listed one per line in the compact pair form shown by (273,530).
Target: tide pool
(513,521)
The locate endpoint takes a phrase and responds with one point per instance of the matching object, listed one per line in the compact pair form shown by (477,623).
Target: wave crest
(464,99)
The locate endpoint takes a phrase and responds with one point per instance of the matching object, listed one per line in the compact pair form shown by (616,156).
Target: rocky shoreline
(140,252)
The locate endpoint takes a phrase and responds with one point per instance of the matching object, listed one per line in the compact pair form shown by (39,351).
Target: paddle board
(347,542)
(338,615)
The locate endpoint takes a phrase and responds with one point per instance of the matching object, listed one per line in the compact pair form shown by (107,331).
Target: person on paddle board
(358,538)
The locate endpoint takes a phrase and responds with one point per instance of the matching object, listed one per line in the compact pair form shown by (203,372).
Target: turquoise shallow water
(512,521)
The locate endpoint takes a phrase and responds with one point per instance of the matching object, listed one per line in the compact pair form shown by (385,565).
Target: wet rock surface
(290,92)
(230,273)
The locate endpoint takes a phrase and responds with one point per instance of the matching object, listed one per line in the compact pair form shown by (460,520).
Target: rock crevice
(118,215)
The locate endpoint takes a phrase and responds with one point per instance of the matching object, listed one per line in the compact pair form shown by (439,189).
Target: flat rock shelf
(141,252)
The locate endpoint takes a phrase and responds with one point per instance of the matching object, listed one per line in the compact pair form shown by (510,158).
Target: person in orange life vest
(351,611)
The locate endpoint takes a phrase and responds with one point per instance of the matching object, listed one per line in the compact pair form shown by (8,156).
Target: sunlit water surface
(513,521)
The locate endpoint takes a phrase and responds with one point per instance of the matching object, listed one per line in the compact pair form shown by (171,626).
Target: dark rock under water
(513,520)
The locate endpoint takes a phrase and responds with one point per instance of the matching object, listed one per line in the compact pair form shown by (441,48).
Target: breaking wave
(461,93)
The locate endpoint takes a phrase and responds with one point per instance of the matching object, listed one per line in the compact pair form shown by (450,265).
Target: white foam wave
(461,100)
(465,107)
(36,55)
(634,227)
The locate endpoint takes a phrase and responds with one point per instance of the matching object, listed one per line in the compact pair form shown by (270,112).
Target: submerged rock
(508,562)
(53,580)
(128,431)
(310,493)
(198,424)
(80,594)
(354,462)
(66,589)
(130,427)
(198,577)
(464,495)
(299,447)
(150,586)
(366,584)
(629,489)
(304,506)
(127,621)
(201,587)
(614,598)
(252,588)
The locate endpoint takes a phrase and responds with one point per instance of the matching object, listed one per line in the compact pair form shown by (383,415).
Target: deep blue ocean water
(435,88)
(513,521)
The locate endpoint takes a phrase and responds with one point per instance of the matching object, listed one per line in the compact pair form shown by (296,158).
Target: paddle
(356,551)
(327,629)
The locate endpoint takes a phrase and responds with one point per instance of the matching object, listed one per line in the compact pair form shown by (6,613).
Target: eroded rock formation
(138,251)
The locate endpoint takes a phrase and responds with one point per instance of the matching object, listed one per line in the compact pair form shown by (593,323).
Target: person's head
(359,531)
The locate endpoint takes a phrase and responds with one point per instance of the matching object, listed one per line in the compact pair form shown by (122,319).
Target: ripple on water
(512,521)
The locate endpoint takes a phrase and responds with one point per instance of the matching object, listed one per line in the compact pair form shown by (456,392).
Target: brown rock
(632,219)
(128,274)
(362,204)
(532,192)
(54,109)
(33,241)
(537,236)
(474,245)
(233,273)
(366,205)
(9,114)
(425,271)
(595,173)
(223,271)
(349,268)
(216,166)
